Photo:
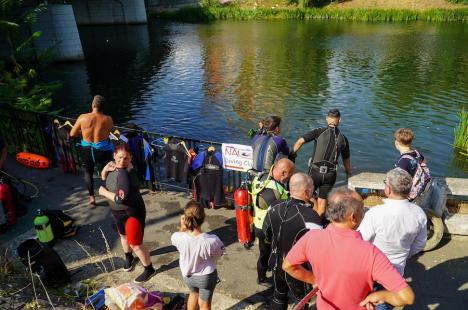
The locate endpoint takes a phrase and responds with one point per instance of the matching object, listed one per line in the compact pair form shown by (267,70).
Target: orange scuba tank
(243,205)
(32,160)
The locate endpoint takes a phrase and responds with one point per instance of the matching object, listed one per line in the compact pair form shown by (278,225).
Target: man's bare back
(94,127)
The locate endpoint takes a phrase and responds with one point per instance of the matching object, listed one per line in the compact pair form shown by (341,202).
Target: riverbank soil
(95,254)
(362,4)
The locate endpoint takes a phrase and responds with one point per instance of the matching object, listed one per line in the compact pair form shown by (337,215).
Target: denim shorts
(203,285)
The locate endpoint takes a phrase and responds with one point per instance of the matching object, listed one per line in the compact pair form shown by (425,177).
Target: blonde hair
(194,215)
(404,136)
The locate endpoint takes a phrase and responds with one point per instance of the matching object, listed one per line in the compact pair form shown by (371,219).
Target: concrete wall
(59,33)
(154,5)
(95,12)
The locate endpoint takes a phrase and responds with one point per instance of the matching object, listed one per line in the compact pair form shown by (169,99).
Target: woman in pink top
(198,254)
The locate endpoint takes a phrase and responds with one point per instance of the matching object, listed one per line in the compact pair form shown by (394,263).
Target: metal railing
(34,132)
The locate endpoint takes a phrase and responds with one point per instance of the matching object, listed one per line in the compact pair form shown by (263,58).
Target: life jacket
(265,190)
(328,147)
(265,152)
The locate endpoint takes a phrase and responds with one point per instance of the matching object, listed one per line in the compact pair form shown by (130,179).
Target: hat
(334,113)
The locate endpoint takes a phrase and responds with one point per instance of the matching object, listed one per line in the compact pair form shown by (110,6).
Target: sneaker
(147,274)
(129,264)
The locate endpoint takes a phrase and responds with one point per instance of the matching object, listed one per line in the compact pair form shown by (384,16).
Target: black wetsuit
(285,223)
(175,162)
(91,157)
(329,144)
(209,180)
(128,200)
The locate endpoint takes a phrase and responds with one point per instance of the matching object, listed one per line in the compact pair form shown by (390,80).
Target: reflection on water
(216,81)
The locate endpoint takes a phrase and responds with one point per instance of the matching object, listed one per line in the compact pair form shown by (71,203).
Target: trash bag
(132,296)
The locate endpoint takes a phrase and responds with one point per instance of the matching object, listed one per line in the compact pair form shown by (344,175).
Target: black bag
(45,261)
(63,226)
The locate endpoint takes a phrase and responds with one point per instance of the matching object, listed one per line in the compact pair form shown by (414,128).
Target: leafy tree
(20,84)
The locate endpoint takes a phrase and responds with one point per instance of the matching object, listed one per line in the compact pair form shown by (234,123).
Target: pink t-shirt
(345,266)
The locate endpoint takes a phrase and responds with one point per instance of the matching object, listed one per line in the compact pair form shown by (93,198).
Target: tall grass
(212,13)
(461,133)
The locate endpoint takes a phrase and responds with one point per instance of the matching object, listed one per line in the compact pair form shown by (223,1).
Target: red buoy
(32,160)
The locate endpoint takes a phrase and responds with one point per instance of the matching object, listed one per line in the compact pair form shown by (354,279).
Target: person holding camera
(330,143)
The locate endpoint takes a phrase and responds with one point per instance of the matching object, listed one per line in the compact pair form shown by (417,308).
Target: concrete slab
(439,277)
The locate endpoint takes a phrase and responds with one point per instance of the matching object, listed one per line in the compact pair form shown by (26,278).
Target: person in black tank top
(330,143)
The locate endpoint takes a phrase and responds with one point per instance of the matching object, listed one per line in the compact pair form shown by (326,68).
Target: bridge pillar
(95,12)
(59,33)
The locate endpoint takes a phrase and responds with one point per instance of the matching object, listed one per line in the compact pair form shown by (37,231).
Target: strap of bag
(300,305)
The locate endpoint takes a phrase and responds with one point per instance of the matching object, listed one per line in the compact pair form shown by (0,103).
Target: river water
(216,81)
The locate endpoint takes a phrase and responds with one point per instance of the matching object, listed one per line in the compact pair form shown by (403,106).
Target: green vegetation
(461,134)
(20,83)
(211,13)
(459,1)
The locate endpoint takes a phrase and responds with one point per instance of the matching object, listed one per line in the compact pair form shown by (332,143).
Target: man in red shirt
(345,266)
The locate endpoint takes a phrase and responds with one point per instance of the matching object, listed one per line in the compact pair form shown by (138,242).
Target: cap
(334,113)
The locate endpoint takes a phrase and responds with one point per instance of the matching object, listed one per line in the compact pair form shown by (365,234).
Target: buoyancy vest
(328,146)
(265,190)
(265,151)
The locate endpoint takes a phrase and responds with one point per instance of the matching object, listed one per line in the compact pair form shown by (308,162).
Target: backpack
(421,177)
(63,226)
(45,261)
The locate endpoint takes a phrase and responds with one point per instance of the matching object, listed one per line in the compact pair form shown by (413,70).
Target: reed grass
(212,13)
(461,133)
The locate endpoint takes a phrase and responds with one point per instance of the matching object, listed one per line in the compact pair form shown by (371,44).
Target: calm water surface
(215,81)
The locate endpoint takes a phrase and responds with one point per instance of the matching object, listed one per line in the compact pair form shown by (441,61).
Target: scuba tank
(243,205)
(7,203)
(43,228)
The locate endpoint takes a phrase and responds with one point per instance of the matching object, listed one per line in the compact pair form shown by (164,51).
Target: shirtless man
(97,148)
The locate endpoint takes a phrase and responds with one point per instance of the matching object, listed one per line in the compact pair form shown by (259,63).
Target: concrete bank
(438,277)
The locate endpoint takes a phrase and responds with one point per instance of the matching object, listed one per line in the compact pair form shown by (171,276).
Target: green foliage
(210,13)
(459,1)
(20,84)
(461,133)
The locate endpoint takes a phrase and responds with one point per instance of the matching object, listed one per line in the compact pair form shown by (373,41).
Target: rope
(24,182)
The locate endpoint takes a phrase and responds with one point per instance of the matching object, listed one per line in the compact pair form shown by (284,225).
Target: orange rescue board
(32,160)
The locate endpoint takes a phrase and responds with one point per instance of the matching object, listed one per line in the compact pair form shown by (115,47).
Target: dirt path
(438,277)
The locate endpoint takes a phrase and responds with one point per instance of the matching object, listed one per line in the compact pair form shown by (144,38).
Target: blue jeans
(384,306)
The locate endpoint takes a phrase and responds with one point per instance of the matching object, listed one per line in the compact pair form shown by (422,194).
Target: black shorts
(121,217)
(323,182)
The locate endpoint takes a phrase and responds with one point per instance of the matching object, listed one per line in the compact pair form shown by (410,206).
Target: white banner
(237,156)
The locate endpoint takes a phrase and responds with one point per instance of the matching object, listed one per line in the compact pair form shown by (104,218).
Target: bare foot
(92,200)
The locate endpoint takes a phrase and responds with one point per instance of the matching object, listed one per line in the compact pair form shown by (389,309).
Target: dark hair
(271,123)
(122,147)
(98,102)
(334,113)
(194,215)
(341,202)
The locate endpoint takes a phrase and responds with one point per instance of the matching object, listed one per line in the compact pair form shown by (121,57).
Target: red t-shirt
(345,266)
